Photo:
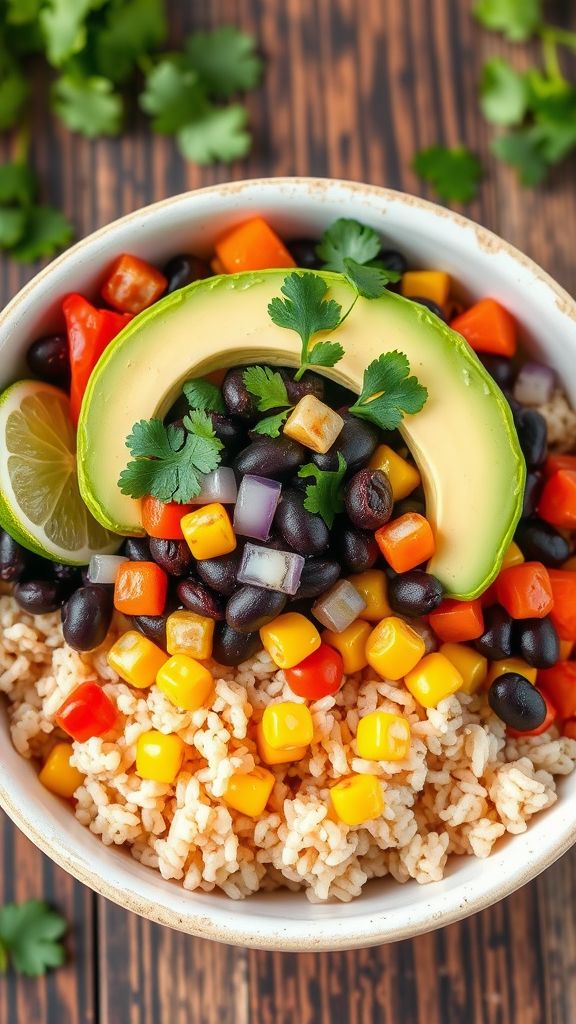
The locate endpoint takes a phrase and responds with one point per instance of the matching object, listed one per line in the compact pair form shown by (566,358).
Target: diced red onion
(256,506)
(104,568)
(338,607)
(535,384)
(220,485)
(271,569)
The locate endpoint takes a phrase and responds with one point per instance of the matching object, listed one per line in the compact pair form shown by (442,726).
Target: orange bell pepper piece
(406,542)
(132,284)
(559,683)
(557,503)
(525,591)
(252,245)
(488,327)
(557,461)
(551,715)
(563,614)
(456,621)
(162,519)
(140,589)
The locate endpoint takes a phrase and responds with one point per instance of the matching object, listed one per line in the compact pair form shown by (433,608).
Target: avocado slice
(463,441)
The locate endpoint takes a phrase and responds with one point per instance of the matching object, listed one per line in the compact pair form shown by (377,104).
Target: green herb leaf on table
(306,311)
(46,231)
(131,31)
(14,91)
(518,20)
(503,93)
(522,150)
(30,935)
(370,282)
(267,387)
(216,134)
(17,184)
(88,105)
(12,226)
(388,392)
(168,461)
(19,12)
(173,97)
(64,29)
(225,59)
(453,173)
(347,239)
(204,395)
(324,496)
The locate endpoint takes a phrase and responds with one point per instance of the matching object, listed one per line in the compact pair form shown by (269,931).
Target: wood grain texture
(352,90)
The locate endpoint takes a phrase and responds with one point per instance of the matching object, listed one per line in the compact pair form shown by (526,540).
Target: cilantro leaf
(270,425)
(370,282)
(168,461)
(225,59)
(14,91)
(30,934)
(325,353)
(204,395)
(46,231)
(20,12)
(516,19)
(521,149)
(133,28)
(388,392)
(12,226)
(324,496)
(218,133)
(267,386)
(173,96)
(305,311)
(453,173)
(64,29)
(17,184)
(553,105)
(88,105)
(347,239)
(503,93)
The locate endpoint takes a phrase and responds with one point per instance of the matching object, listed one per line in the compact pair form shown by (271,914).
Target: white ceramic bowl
(484,265)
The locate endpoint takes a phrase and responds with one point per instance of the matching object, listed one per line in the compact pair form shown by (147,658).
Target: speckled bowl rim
(251,929)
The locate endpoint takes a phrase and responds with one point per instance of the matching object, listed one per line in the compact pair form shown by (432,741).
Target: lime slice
(40,504)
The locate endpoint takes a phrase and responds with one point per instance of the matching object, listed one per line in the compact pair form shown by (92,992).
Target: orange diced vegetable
(162,519)
(566,648)
(525,591)
(557,461)
(563,614)
(140,589)
(488,327)
(551,715)
(252,245)
(557,503)
(456,621)
(406,542)
(569,729)
(132,284)
(559,683)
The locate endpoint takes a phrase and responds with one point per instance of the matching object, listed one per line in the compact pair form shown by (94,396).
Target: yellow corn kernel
(158,756)
(185,682)
(570,565)
(58,775)
(136,659)
(472,666)
(191,634)
(313,424)
(433,679)
(499,668)
(287,725)
(513,556)
(403,477)
(426,284)
(394,648)
(269,755)
(208,531)
(290,638)
(250,793)
(383,737)
(372,586)
(357,799)
(566,648)
(351,643)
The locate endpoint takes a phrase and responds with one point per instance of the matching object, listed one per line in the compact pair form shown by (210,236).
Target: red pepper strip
(90,331)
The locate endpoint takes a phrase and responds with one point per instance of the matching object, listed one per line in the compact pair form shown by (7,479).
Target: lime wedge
(40,504)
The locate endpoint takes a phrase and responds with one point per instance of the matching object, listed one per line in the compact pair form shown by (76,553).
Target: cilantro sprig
(388,392)
(454,173)
(324,496)
(350,248)
(204,396)
(269,390)
(305,310)
(28,229)
(30,938)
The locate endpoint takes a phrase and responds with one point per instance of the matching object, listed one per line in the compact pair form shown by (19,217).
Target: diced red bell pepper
(557,461)
(132,284)
(87,712)
(162,519)
(457,621)
(488,327)
(559,683)
(557,503)
(89,331)
(569,729)
(563,614)
(525,591)
(319,675)
(551,715)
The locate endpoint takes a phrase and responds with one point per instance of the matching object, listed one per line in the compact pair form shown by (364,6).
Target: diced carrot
(140,589)
(569,729)
(252,245)
(563,614)
(557,461)
(525,591)
(557,503)
(559,683)
(570,564)
(551,715)
(566,648)
(488,327)
(162,519)
(132,284)
(456,621)
(406,542)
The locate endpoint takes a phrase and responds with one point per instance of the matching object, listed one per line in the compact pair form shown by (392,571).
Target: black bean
(239,401)
(538,642)
(532,432)
(356,549)
(414,593)
(303,531)
(197,597)
(496,640)
(532,492)
(171,555)
(86,617)
(278,458)
(500,369)
(153,627)
(356,442)
(517,702)
(38,597)
(48,359)
(432,306)
(69,574)
(231,431)
(337,396)
(221,573)
(317,576)
(540,542)
(368,499)
(137,549)
(183,270)
(393,260)
(303,252)
(250,608)
(309,384)
(13,559)
(232,647)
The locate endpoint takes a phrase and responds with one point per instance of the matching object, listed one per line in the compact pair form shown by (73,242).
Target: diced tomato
(557,503)
(132,284)
(563,614)
(488,327)
(89,331)
(319,675)
(525,591)
(569,729)
(557,461)
(87,712)
(559,683)
(162,519)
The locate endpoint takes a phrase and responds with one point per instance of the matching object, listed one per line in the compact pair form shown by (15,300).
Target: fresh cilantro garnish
(306,311)
(453,173)
(131,30)
(216,134)
(30,935)
(503,93)
(347,239)
(270,426)
(88,105)
(324,496)
(267,387)
(173,95)
(516,19)
(204,395)
(225,60)
(521,150)
(46,230)
(388,392)
(168,460)
(370,282)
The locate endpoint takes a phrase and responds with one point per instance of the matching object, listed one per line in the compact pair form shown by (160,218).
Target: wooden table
(352,89)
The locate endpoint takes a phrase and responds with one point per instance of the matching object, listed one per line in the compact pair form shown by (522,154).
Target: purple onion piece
(339,606)
(271,569)
(256,506)
(535,384)
(220,485)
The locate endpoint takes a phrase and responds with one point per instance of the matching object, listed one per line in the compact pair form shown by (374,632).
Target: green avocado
(463,441)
